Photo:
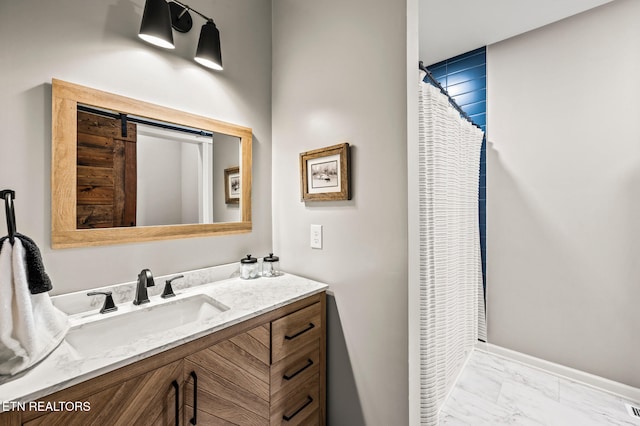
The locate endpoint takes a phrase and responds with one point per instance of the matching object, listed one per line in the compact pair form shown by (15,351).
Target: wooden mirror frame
(64,233)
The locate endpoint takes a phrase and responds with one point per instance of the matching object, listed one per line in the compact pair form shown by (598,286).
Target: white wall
(95,43)
(563,202)
(339,75)
(413,201)
(191,180)
(159,181)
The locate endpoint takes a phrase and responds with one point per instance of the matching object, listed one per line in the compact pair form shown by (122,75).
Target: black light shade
(156,24)
(208,52)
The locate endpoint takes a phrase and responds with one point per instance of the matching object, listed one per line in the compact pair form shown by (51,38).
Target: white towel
(30,326)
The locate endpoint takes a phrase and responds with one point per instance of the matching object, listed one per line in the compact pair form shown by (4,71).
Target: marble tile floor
(493,390)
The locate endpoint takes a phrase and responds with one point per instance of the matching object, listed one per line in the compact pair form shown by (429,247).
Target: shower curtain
(452,314)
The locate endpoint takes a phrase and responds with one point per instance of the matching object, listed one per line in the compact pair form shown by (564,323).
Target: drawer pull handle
(176,387)
(311,326)
(194,420)
(307,365)
(309,401)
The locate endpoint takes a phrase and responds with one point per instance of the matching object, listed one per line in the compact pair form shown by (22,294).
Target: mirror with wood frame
(125,171)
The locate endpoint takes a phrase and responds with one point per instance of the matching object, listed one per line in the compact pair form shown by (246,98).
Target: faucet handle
(168,290)
(108,306)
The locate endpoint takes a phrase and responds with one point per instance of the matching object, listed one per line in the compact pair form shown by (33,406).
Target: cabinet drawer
(295,330)
(299,407)
(291,372)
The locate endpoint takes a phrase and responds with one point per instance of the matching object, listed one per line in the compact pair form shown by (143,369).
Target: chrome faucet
(145,279)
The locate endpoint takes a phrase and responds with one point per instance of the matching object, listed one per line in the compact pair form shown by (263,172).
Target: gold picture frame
(325,174)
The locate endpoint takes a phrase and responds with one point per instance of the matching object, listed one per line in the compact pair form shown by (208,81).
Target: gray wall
(95,43)
(339,75)
(563,202)
(226,154)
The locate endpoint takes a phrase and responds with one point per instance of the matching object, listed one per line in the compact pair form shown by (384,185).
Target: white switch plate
(316,236)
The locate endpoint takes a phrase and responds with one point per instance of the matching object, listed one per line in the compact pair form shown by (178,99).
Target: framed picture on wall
(232,185)
(324,174)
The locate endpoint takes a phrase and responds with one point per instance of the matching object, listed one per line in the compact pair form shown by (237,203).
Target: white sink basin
(120,329)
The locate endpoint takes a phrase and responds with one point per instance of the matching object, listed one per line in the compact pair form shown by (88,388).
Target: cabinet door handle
(311,326)
(307,365)
(176,388)
(309,401)
(194,420)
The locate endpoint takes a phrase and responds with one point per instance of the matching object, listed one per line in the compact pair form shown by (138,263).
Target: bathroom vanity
(257,357)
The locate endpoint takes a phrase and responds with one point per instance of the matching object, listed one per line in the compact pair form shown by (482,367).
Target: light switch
(316,236)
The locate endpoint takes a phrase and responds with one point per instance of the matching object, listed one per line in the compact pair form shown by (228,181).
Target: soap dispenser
(271,266)
(249,268)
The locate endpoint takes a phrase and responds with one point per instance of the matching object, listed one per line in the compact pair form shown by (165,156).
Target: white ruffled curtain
(452,316)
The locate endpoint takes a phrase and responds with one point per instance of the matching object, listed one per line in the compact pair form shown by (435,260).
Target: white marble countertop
(65,367)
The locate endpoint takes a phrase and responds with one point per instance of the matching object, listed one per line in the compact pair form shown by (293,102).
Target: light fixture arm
(187,8)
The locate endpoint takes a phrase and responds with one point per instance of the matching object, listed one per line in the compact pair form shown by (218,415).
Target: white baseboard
(616,388)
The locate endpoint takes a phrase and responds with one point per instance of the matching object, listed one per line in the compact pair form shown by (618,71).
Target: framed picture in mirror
(324,174)
(232,185)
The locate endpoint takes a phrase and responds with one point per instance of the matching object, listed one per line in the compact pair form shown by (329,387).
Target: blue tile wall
(464,77)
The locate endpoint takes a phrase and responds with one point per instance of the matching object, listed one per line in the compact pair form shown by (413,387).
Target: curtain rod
(444,92)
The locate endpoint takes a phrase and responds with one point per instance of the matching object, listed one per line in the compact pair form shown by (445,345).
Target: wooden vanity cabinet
(153,398)
(268,370)
(229,381)
(272,374)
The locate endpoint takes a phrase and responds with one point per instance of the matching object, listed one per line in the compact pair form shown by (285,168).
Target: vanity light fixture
(158,19)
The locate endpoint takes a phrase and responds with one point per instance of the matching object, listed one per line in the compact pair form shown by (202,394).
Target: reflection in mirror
(139,172)
(131,171)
